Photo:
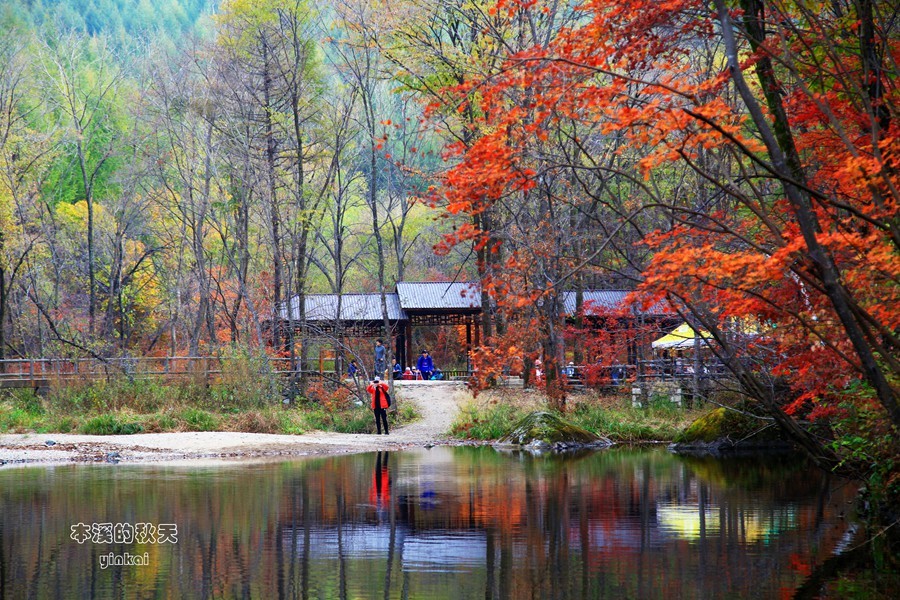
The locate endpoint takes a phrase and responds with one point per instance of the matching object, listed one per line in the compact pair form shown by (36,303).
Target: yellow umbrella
(680,337)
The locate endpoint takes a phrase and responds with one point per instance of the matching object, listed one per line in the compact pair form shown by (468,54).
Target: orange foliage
(627,70)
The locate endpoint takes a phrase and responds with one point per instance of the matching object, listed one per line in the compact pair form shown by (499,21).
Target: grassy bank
(126,407)
(490,416)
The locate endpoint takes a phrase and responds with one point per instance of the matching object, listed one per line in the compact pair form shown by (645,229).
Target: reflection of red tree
(800,564)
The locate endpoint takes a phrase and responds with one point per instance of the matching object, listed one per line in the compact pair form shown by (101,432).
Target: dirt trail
(438,403)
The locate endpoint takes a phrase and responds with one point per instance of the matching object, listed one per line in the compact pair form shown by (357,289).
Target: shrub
(195,419)
(27,400)
(255,421)
(160,422)
(245,380)
(15,420)
(290,424)
(109,424)
(55,425)
(488,423)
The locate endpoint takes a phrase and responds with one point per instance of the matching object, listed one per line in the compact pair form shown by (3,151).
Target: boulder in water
(546,431)
(724,432)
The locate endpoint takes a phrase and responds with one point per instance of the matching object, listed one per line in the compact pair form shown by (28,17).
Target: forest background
(172,172)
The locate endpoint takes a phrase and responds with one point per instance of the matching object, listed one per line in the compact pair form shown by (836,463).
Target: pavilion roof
(459,296)
(453,295)
(598,300)
(354,307)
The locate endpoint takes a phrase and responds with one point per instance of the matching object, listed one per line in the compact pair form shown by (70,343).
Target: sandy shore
(437,402)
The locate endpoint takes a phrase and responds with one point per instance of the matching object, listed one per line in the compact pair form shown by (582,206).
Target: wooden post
(409,353)
(469,343)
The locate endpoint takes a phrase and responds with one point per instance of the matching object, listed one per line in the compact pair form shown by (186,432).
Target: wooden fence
(41,372)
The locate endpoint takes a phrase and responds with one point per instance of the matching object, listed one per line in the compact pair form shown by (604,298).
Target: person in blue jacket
(425,365)
(380,353)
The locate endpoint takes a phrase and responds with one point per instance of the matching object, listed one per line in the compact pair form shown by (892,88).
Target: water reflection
(439,523)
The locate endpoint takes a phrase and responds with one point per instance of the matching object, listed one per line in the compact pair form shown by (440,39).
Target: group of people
(424,370)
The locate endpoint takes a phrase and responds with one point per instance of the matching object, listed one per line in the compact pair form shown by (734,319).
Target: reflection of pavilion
(691,522)
(422,551)
(429,550)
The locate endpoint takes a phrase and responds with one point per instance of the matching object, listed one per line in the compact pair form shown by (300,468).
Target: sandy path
(437,402)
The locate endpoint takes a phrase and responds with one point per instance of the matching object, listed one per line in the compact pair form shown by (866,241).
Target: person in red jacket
(381,400)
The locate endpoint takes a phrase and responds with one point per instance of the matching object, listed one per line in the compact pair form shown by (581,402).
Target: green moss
(548,428)
(724,423)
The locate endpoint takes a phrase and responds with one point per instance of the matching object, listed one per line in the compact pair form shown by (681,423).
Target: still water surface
(438,523)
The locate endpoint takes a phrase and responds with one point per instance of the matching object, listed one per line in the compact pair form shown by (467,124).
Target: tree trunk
(278,341)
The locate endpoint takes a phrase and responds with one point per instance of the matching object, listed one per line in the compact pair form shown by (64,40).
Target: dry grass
(493,413)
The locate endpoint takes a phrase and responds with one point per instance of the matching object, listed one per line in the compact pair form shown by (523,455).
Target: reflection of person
(425,365)
(381,400)
(380,494)
(380,352)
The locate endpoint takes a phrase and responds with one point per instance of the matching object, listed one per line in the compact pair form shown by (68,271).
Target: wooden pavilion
(421,304)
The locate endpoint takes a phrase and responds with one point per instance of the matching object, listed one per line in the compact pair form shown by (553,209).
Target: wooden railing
(39,372)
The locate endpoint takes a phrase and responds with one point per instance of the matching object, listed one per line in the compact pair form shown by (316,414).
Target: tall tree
(24,154)
(82,80)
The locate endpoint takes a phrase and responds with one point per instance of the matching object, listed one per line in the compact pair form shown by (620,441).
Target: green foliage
(624,424)
(15,419)
(58,424)
(489,423)
(290,423)
(195,419)
(27,400)
(127,21)
(869,447)
(109,424)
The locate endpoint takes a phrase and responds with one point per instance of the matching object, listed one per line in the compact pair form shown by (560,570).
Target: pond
(428,523)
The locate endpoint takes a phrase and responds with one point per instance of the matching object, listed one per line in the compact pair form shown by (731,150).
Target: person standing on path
(381,400)
(425,365)
(380,353)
